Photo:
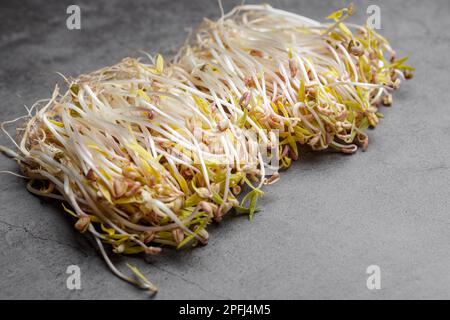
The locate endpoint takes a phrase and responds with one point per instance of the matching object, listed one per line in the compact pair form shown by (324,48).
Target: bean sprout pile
(146,155)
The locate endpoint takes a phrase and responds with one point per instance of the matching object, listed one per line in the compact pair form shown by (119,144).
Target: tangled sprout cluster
(146,155)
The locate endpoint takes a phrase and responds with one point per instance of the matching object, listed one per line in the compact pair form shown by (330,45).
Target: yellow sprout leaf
(143,95)
(159,63)
(109,231)
(96,148)
(337,15)
(345,30)
(181,181)
(105,192)
(202,104)
(127,200)
(290,54)
(301,91)
(133,249)
(56,123)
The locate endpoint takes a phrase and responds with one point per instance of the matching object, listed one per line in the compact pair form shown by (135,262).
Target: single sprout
(148,154)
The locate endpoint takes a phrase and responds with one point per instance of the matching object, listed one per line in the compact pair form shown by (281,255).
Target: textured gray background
(328,218)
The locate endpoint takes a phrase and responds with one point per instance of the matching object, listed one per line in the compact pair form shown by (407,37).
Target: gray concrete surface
(328,218)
